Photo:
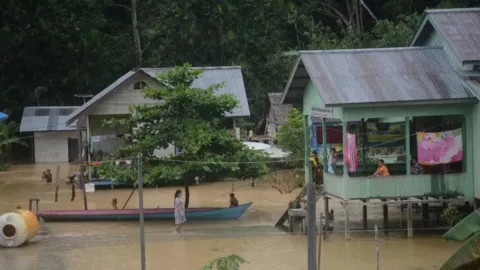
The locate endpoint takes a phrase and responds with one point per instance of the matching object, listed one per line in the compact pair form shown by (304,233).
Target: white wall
(52,146)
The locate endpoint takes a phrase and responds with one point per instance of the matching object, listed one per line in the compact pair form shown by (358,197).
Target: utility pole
(140,213)
(82,182)
(311,202)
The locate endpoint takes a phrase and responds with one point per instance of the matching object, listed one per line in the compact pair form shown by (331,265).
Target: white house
(54,140)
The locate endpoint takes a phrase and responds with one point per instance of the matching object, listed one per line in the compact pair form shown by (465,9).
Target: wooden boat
(149,214)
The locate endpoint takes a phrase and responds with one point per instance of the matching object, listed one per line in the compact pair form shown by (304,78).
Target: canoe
(149,214)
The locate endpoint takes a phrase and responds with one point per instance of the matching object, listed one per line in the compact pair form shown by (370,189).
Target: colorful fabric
(351,159)
(439,147)
(334,134)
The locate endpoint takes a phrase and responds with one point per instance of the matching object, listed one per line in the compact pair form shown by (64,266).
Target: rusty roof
(378,76)
(459,27)
(280,111)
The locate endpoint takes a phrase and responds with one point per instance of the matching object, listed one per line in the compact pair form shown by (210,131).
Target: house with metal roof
(115,100)
(416,103)
(277,113)
(54,140)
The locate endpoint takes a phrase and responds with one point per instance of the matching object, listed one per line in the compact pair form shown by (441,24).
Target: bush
(451,215)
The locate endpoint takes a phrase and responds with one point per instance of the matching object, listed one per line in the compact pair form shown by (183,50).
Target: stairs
(301,197)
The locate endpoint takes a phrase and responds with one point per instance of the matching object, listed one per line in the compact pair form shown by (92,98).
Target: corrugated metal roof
(280,111)
(460,28)
(47,119)
(232,76)
(384,75)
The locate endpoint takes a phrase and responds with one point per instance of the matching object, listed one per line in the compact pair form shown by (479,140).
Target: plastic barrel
(17,228)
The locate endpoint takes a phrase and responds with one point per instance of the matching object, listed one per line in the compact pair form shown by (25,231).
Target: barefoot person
(179,211)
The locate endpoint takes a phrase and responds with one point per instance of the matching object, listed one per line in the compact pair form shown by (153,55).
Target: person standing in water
(179,211)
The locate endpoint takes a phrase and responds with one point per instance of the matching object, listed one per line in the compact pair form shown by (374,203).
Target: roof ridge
(204,68)
(373,50)
(452,10)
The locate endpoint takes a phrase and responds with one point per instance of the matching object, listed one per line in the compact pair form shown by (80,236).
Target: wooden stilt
(425,215)
(347,221)
(365,220)
(326,211)
(385,218)
(409,221)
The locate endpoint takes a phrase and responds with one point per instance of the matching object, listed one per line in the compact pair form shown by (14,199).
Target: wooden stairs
(301,197)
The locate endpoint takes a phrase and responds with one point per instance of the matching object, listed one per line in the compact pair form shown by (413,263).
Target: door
(72,149)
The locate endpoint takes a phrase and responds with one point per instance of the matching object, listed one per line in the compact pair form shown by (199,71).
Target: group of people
(179,209)
(382,169)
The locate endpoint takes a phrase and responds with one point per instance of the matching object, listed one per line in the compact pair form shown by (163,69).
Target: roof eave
(290,79)
(420,29)
(471,100)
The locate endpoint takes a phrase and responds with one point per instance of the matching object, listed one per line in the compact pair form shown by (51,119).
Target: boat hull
(149,214)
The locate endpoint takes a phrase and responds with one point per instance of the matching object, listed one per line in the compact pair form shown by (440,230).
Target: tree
(230,262)
(290,137)
(7,138)
(190,119)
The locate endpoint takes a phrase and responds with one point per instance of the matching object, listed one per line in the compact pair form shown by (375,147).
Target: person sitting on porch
(332,161)
(416,168)
(382,170)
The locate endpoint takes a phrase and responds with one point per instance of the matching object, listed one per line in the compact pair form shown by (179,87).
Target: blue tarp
(3,116)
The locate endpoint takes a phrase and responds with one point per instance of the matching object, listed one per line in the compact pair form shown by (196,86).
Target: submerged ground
(115,245)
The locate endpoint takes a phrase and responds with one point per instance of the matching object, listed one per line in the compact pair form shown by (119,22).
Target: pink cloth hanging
(350,152)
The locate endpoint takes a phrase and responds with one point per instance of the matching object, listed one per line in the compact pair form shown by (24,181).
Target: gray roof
(280,111)
(47,119)
(459,27)
(378,76)
(231,76)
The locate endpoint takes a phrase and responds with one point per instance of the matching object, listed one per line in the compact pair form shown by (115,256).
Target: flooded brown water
(115,245)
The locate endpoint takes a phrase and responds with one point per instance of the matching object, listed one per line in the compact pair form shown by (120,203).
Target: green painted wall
(311,98)
(400,186)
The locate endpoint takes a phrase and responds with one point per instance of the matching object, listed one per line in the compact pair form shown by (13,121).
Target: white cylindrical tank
(17,228)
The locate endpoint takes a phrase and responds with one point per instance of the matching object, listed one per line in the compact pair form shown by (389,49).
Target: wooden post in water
(320,232)
(57,183)
(377,247)
(347,221)
(409,221)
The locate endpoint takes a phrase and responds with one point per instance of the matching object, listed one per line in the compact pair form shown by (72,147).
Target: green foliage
(7,139)
(451,215)
(190,119)
(230,262)
(290,136)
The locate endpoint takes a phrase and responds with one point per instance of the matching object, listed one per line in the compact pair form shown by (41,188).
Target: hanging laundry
(351,159)
(334,134)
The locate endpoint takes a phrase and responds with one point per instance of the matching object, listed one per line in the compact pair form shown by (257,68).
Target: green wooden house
(386,96)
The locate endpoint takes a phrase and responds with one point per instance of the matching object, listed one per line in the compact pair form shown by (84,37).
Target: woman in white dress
(179,211)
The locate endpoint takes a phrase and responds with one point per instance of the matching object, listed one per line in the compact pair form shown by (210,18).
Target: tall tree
(190,119)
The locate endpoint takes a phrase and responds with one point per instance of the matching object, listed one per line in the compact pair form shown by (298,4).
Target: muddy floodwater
(115,245)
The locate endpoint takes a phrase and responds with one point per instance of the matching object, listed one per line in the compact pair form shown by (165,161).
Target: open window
(140,85)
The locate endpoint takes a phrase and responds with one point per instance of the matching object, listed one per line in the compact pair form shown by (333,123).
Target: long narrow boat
(149,214)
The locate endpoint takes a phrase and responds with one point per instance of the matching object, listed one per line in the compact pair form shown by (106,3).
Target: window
(140,85)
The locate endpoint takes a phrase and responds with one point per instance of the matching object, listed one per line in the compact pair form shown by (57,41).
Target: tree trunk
(136,35)
(187,195)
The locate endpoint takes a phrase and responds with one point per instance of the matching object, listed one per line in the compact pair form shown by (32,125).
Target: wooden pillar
(347,221)
(324,146)
(364,139)
(365,219)
(385,218)
(344,141)
(425,215)
(326,211)
(409,221)
(87,141)
(408,156)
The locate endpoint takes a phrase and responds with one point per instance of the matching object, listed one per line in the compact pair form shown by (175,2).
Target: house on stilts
(397,104)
